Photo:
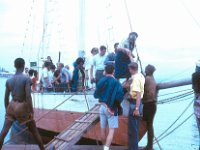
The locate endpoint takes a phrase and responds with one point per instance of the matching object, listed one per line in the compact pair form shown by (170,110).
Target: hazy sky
(167,33)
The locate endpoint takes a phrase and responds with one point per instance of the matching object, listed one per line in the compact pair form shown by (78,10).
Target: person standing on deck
(110,94)
(149,100)
(78,78)
(110,59)
(89,62)
(45,77)
(20,108)
(65,78)
(136,94)
(124,56)
(98,64)
(196,87)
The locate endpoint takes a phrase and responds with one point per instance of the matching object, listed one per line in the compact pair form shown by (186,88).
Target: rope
(131,27)
(174,92)
(175,120)
(190,13)
(175,98)
(178,126)
(128,15)
(27,27)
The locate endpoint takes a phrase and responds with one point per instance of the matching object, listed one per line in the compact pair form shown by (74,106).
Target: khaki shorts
(18,111)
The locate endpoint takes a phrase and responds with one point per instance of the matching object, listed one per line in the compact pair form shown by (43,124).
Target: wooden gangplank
(74,147)
(73,133)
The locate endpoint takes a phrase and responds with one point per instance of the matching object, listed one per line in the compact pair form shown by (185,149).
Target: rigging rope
(131,28)
(190,13)
(178,126)
(160,136)
(174,92)
(27,27)
(171,99)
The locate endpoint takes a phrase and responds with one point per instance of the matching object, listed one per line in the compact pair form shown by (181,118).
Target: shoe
(147,148)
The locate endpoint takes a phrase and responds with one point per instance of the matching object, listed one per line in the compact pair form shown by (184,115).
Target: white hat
(198,63)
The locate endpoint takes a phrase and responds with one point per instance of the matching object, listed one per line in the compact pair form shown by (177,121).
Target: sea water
(184,138)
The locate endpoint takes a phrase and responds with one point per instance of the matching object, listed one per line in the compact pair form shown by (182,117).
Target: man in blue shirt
(123,56)
(110,59)
(110,94)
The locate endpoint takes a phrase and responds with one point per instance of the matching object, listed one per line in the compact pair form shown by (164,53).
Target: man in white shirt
(89,62)
(45,76)
(98,64)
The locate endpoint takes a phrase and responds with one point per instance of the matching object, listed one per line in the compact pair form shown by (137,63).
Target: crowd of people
(103,70)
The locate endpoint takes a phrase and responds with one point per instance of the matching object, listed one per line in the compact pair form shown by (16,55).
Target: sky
(168,35)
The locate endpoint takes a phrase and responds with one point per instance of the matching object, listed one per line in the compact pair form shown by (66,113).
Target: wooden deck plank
(70,137)
(95,147)
(75,147)
(20,147)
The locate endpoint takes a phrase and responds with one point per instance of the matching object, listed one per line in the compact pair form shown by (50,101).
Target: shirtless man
(20,108)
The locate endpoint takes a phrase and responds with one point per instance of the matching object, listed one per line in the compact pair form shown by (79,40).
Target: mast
(173,84)
(81,38)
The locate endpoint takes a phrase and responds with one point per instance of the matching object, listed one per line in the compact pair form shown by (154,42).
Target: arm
(138,101)
(6,98)
(75,80)
(108,60)
(28,95)
(91,72)
(86,75)
(67,77)
(127,52)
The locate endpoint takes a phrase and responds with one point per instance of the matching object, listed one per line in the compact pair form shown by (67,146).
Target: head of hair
(94,50)
(150,69)
(35,73)
(109,69)
(116,44)
(102,47)
(61,65)
(47,64)
(30,72)
(79,61)
(19,63)
(133,66)
(53,67)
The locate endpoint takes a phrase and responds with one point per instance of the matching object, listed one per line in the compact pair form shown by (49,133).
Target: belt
(16,100)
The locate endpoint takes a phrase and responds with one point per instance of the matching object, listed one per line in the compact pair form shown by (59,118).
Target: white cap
(198,63)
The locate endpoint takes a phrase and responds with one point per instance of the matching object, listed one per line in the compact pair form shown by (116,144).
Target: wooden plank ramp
(71,135)
(75,147)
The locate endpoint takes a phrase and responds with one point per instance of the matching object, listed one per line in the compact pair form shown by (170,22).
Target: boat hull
(57,121)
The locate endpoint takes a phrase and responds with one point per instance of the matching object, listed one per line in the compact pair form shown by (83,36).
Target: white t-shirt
(98,62)
(50,76)
(44,75)
(88,62)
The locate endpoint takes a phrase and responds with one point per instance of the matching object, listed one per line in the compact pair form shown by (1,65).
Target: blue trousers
(133,131)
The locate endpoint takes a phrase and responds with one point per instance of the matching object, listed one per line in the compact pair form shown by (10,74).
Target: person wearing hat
(124,56)
(196,88)
(149,100)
